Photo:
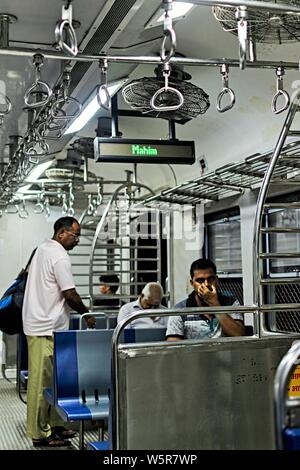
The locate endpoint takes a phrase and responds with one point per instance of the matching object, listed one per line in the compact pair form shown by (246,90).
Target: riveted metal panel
(199,395)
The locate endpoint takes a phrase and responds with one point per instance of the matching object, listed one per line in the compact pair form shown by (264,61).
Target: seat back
(101,323)
(113,321)
(74,321)
(82,363)
(143,335)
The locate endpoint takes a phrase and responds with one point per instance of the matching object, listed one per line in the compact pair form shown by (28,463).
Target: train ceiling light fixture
(179,12)
(34,175)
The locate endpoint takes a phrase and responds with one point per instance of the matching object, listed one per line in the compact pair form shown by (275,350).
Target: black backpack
(12,301)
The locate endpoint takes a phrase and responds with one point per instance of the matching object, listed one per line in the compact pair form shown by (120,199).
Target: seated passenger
(109,284)
(204,281)
(150,297)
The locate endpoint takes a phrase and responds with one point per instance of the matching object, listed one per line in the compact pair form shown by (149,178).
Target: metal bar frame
(101,224)
(257,239)
(262,64)
(247,3)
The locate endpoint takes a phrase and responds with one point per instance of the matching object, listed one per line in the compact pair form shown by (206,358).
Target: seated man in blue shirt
(150,297)
(204,281)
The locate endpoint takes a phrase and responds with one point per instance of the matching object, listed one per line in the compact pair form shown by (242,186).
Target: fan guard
(138,94)
(263,26)
(64,175)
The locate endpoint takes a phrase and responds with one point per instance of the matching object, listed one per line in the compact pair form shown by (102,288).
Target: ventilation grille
(106,29)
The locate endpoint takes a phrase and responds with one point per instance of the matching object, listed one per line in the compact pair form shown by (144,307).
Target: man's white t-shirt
(45,309)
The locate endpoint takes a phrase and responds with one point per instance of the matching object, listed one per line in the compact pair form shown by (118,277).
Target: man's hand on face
(208,293)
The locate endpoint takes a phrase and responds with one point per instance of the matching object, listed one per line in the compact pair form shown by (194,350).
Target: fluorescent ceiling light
(34,175)
(178,12)
(92,107)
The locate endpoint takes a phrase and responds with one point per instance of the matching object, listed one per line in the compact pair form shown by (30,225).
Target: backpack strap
(29,261)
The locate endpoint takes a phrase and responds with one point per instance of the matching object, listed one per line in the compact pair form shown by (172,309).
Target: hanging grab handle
(56,112)
(165,90)
(224,70)
(280,92)
(168,33)
(39,87)
(64,30)
(162,94)
(103,96)
(242,26)
(22,211)
(5,108)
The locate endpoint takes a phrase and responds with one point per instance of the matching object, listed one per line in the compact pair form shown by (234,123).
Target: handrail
(260,5)
(189,61)
(257,289)
(101,224)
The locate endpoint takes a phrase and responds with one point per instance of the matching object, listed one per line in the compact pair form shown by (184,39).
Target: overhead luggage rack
(233,179)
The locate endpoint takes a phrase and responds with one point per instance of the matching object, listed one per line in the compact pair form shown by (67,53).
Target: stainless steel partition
(214,394)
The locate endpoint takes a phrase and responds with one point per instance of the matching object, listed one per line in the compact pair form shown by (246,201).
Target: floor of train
(13,423)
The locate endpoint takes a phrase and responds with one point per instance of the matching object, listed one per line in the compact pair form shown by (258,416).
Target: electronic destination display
(144,151)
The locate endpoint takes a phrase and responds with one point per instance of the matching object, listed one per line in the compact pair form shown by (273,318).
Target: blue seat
(24,376)
(22,365)
(101,323)
(291,438)
(74,321)
(143,335)
(99,445)
(22,357)
(82,374)
(113,321)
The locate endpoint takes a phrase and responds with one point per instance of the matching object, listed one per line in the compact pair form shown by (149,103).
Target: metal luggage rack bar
(233,178)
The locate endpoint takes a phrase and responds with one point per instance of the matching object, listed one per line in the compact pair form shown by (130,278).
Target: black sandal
(63,433)
(51,441)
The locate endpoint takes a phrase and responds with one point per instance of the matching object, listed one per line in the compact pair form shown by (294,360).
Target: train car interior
(169,130)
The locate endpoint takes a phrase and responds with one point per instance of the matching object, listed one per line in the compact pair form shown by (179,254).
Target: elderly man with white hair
(150,297)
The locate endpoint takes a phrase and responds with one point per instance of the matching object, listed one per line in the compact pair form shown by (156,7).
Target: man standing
(50,294)
(204,281)
(150,297)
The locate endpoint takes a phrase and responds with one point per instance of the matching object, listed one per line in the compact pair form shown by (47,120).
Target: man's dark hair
(64,222)
(110,279)
(202,263)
